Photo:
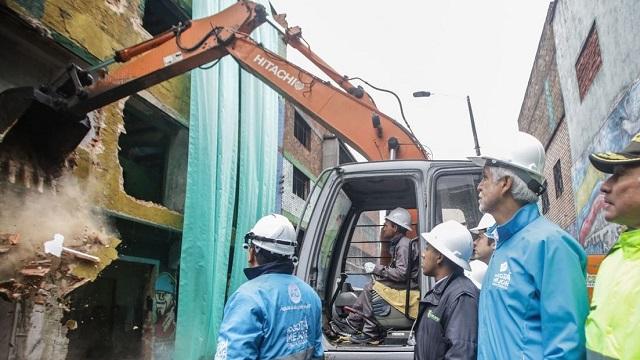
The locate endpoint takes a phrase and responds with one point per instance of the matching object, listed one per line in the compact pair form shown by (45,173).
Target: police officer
(612,326)
(275,314)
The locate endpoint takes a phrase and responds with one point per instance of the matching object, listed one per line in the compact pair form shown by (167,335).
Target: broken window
(301,130)
(300,184)
(161,15)
(153,154)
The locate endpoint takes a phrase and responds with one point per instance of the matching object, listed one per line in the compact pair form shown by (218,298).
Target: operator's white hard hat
(486,222)
(273,233)
(452,240)
(520,152)
(476,274)
(400,217)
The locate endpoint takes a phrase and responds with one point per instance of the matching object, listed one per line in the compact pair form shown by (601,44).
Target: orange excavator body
(44,125)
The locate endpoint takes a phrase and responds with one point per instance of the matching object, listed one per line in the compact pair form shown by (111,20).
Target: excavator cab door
(340,231)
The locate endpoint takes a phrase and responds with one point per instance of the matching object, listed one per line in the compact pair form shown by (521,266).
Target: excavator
(43,126)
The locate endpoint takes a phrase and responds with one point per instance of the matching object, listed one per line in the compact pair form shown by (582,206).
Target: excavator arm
(46,124)
(355,120)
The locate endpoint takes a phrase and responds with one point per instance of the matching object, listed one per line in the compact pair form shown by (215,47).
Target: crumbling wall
(95,29)
(40,284)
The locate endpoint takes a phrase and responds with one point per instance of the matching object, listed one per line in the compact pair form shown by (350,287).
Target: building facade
(596,53)
(543,115)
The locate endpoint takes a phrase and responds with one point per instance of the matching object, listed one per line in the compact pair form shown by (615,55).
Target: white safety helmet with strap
(522,153)
(486,222)
(273,233)
(452,240)
(400,217)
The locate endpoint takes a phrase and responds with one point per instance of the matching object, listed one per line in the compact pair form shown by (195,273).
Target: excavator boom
(44,125)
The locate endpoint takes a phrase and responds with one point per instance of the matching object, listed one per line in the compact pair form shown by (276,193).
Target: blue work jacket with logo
(275,315)
(533,302)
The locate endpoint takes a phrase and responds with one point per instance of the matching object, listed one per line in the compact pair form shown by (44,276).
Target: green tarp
(233,139)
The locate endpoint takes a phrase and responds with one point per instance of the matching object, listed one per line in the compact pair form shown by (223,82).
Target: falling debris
(7,241)
(71,324)
(34,266)
(54,247)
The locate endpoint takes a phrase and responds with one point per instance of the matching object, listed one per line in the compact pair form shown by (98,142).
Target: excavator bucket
(34,132)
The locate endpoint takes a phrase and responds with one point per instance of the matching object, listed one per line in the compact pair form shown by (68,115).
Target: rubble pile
(46,278)
(63,218)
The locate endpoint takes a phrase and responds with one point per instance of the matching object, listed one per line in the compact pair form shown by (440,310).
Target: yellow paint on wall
(586,188)
(89,270)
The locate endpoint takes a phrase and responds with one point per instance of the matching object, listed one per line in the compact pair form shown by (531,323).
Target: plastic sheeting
(232,165)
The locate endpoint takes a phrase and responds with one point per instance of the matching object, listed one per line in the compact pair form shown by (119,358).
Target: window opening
(300,184)
(557,179)
(457,199)
(301,130)
(149,152)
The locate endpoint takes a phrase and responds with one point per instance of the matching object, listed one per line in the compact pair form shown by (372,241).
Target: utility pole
(473,126)
(418,94)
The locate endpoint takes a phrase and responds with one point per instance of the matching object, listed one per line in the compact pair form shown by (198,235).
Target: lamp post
(473,123)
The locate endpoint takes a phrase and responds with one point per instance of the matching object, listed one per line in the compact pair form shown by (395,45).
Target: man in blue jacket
(533,302)
(274,315)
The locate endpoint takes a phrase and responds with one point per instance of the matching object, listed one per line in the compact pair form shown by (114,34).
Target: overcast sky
(452,48)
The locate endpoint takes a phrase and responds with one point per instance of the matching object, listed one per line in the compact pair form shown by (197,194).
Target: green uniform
(613,326)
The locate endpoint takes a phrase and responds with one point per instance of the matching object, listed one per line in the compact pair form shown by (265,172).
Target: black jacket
(447,324)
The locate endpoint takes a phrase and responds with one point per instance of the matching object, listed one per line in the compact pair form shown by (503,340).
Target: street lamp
(473,123)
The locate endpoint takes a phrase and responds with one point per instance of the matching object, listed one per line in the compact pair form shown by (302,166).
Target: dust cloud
(68,208)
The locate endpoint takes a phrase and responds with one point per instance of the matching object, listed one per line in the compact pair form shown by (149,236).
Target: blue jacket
(533,302)
(275,315)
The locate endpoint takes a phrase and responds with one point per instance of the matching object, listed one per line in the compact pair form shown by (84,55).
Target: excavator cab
(340,230)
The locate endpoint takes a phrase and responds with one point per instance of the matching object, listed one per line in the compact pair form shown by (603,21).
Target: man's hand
(369,266)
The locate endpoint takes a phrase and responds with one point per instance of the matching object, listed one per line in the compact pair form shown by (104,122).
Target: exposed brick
(542,115)
(311,158)
(589,62)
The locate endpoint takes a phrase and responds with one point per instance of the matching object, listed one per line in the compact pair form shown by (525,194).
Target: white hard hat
(273,233)
(452,240)
(478,269)
(400,217)
(486,222)
(520,152)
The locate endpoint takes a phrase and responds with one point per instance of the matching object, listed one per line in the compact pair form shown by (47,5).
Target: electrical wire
(215,31)
(207,67)
(401,109)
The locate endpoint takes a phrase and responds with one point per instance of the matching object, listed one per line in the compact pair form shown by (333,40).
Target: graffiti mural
(165,316)
(594,232)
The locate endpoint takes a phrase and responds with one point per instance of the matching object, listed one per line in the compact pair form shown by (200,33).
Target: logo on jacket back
(503,278)
(294,293)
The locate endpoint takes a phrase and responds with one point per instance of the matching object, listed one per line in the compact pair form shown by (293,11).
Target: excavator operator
(388,280)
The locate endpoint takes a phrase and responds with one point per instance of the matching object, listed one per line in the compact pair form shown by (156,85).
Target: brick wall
(543,107)
(310,158)
(589,62)
(562,209)
(291,203)
(542,115)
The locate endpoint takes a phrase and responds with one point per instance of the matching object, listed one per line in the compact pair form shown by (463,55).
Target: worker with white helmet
(533,302)
(362,325)
(484,244)
(274,314)
(447,323)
